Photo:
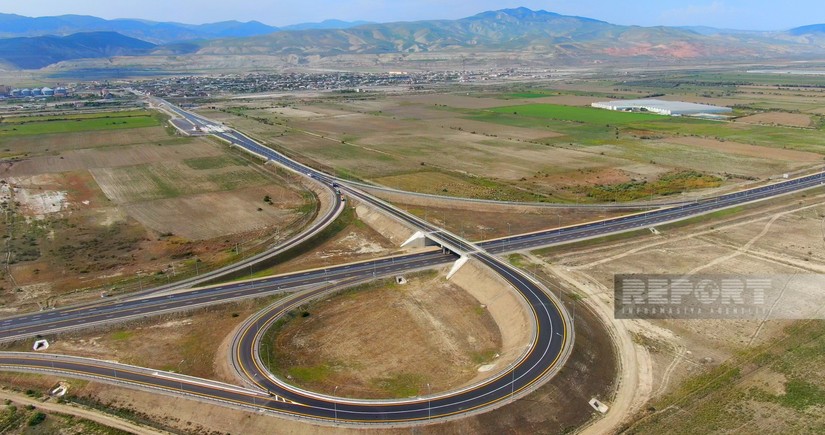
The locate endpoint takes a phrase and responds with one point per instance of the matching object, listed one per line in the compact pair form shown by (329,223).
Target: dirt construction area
(680,361)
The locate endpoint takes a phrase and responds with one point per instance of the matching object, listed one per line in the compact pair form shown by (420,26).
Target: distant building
(61,92)
(16,93)
(26,92)
(36,92)
(662,107)
(49,92)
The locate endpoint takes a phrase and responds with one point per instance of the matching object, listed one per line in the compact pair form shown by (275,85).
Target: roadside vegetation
(668,184)
(775,388)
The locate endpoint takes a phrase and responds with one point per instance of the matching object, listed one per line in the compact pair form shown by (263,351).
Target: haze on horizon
(729,14)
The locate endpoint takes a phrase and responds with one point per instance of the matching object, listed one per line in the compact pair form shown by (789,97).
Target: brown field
(480,222)
(778,118)
(389,340)
(108,157)
(212,215)
(565,100)
(782,237)
(356,242)
(453,100)
(490,130)
(82,140)
(125,215)
(800,157)
(424,143)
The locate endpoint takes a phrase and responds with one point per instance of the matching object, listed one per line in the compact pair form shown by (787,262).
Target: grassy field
(577,114)
(668,184)
(774,389)
(114,210)
(482,144)
(25,126)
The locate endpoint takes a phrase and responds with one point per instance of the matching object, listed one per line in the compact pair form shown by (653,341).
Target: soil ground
(64,419)
(781,237)
(125,209)
(388,340)
(780,118)
(482,222)
(450,143)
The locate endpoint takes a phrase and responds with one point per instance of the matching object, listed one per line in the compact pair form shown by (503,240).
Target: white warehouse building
(662,107)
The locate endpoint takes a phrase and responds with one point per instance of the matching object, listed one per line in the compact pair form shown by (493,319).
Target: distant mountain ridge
(326,24)
(813,28)
(551,36)
(39,51)
(160,33)
(518,29)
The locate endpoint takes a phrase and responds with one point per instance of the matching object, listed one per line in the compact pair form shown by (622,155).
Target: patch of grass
(719,398)
(800,394)
(36,418)
(668,184)
(587,115)
(591,242)
(232,180)
(401,384)
(517,260)
(121,335)
(71,124)
(213,162)
(310,374)
(484,357)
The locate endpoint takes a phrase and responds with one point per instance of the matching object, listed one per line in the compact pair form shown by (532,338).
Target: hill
(805,30)
(39,51)
(547,36)
(17,26)
(520,29)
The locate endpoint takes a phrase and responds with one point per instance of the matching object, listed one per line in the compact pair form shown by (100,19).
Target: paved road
(544,356)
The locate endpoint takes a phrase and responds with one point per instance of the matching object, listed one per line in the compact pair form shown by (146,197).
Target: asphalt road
(544,356)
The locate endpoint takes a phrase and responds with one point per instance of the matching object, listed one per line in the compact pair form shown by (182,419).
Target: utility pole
(335,404)
(429,401)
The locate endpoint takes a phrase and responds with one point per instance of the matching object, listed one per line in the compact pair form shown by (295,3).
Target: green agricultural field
(26,126)
(576,114)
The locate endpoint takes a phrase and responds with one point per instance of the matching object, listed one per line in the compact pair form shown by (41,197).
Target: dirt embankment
(508,309)
(390,228)
(387,340)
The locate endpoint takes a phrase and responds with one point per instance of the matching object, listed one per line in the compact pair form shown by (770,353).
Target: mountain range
(39,51)
(508,30)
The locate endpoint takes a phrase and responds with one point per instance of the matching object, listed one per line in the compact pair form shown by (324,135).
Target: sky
(731,14)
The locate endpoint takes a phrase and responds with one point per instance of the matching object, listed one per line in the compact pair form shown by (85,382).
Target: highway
(117,310)
(546,354)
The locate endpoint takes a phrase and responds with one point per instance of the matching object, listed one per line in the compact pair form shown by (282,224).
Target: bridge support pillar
(417,240)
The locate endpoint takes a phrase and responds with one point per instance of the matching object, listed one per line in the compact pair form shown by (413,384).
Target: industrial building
(662,107)
(39,92)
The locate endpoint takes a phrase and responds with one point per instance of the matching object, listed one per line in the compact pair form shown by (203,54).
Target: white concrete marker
(41,345)
(599,406)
